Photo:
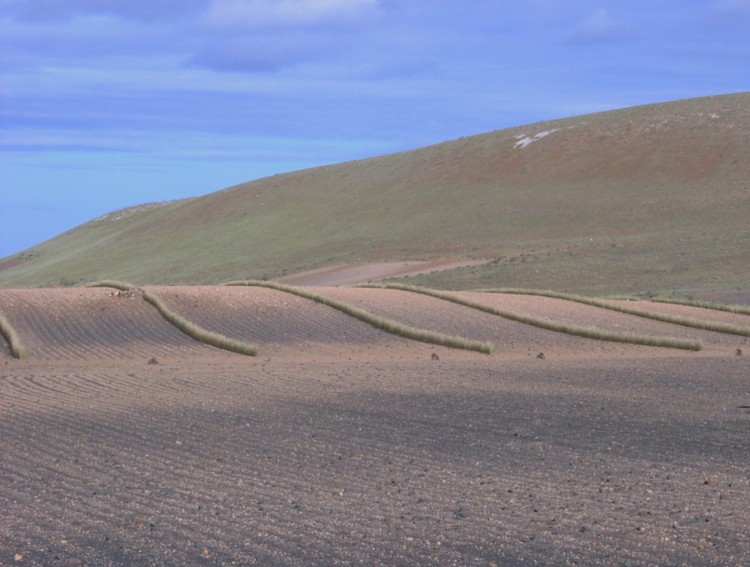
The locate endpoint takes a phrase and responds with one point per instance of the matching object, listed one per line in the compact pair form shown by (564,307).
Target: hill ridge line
(643,199)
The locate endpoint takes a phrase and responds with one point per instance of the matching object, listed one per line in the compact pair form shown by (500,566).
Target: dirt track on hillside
(350,274)
(343,445)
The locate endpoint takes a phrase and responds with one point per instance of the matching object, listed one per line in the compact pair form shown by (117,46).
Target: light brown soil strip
(662,317)
(350,274)
(585,332)
(381,323)
(11,336)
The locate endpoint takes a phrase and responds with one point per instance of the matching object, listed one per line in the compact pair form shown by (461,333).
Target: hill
(650,198)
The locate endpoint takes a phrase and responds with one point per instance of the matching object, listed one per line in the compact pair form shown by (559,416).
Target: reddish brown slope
(646,198)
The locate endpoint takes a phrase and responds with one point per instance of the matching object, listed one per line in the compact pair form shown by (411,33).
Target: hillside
(650,198)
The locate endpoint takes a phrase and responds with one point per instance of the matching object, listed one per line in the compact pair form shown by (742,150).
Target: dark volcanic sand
(468,462)
(361,449)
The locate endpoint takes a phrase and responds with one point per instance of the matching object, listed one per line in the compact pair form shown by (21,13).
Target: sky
(106,104)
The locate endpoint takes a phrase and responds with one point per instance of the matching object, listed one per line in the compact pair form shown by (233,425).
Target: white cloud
(250,14)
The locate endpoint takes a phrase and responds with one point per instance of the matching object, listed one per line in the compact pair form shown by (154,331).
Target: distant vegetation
(381,323)
(585,332)
(183,324)
(14,341)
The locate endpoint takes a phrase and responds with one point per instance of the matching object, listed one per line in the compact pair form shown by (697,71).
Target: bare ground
(350,274)
(343,445)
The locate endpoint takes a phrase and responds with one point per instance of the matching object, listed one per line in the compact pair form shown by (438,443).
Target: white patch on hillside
(524,140)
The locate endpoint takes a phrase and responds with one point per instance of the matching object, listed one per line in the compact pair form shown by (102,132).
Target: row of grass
(662,317)
(728,308)
(188,327)
(116,284)
(11,336)
(585,332)
(381,323)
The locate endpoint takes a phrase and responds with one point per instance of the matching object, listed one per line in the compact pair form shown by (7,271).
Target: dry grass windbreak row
(728,308)
(585,332)
(381,323)
(14,341)
(186,326)
(662,317)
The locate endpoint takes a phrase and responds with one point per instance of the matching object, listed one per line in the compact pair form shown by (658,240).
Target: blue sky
(111,103)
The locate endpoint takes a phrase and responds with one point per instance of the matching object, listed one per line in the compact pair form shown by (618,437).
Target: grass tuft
(662,317)
(381,323)
(11,336)
(188,327)
(585,332)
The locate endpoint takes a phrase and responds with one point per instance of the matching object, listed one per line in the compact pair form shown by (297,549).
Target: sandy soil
(343,445)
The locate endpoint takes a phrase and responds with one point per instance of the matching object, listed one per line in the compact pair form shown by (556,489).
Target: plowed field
(93,324)
(124,442)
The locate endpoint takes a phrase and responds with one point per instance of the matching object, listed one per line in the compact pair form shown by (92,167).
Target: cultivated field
(126,442)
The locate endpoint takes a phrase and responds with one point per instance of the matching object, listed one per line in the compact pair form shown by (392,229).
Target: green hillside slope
(654,198)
